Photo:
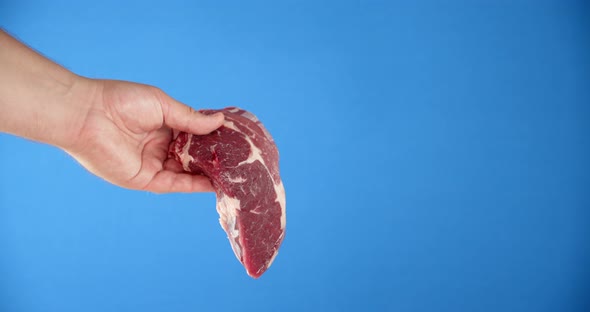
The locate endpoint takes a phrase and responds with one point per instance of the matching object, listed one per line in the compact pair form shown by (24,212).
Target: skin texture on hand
(126,133)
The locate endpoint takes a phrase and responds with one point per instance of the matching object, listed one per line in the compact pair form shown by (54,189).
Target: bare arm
(39,99)
(118,130)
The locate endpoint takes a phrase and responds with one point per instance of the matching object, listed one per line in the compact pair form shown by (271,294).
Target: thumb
(182,117)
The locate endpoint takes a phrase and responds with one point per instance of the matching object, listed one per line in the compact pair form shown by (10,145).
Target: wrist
(82,95)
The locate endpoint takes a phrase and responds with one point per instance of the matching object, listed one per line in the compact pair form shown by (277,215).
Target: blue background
(435,158)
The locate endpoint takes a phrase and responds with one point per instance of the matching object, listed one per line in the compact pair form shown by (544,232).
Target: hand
(126,132)
(118,130)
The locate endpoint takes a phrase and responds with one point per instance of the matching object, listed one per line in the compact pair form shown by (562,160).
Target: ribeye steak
(242,162)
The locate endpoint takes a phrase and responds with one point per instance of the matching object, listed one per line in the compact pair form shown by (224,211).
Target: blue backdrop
(435,158)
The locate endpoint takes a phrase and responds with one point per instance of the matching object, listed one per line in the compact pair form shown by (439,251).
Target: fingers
(172,182)
(161,175)
(184,118)
(173,165)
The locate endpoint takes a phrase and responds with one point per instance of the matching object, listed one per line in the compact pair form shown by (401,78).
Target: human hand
(125,135)
(118,130)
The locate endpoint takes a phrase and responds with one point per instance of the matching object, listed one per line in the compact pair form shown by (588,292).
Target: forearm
(39,99)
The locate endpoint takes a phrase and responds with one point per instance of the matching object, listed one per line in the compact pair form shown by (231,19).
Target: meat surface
(242,162)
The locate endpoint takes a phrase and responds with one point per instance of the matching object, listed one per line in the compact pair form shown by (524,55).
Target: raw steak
(242,162)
